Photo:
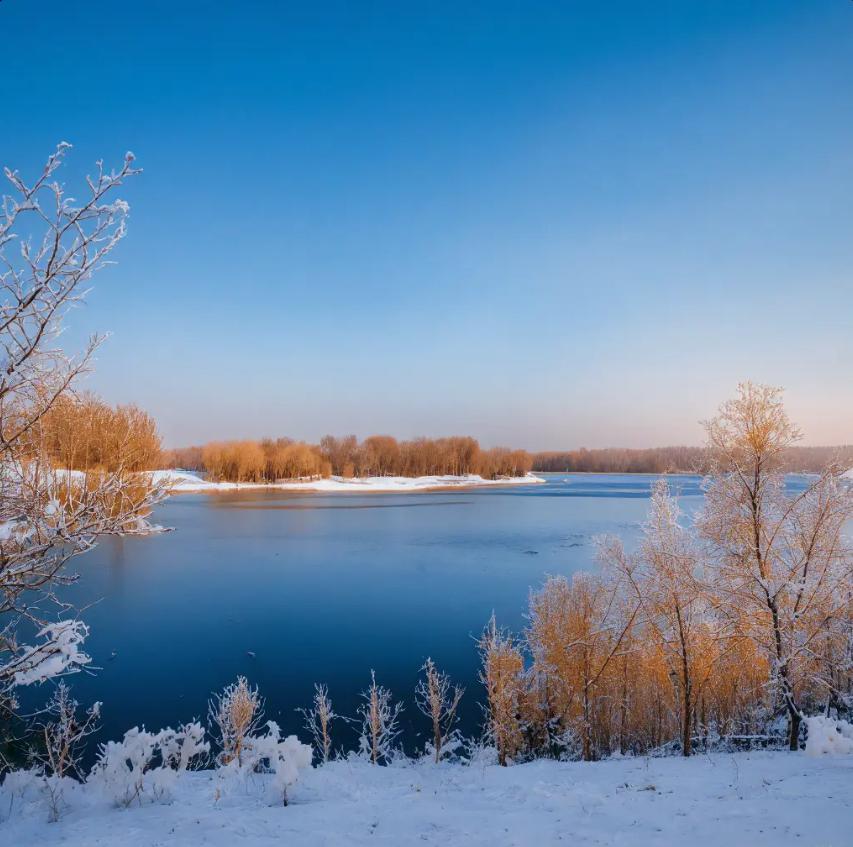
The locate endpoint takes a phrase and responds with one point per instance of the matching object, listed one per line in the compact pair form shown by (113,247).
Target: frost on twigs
(318,721)
(235,714)
(268,754)
(782,563)
(438,700)
(60,736)
(51,244)
(502,675)
(58,653)
(379,723)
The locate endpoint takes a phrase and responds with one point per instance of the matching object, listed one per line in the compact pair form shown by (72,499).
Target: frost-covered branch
(50,246)
(319,719)
(380,722)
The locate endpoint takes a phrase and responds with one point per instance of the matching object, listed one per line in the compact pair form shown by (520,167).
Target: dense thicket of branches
(795,459)
(378,455)
(82,432)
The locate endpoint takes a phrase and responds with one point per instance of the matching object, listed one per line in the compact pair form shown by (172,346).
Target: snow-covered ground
(748,799)
(180,481)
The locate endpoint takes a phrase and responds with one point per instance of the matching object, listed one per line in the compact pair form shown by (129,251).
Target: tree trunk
(587,728)
(687,713)
(794,721)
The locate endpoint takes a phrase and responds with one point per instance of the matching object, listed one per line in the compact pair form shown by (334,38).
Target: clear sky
(543,224)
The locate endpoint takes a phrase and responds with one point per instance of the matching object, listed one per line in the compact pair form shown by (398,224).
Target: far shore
(181,482)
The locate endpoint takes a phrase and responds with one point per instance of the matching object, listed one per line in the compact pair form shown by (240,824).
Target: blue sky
(548,225)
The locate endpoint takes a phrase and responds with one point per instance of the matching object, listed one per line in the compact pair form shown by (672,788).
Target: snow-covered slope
(183,481)
(743,800)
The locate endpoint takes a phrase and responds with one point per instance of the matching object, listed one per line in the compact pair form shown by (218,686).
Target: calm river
(292,589)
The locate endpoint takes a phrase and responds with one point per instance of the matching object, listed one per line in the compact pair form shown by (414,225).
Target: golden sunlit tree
(578,630)
(666,576)
(502,674)
(782,564)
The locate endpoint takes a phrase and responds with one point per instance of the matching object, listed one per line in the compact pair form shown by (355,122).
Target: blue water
(292,589)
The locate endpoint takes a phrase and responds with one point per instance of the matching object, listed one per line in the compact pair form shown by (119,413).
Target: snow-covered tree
(666,577)
(784,571)
(50,246)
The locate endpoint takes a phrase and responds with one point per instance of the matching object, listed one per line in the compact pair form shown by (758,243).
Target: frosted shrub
(438,700)
(268,754)
(61,734)
(318,721)
(126,768)
(284,758)
(379,723)
(235,714)
(502,675)
(178,750)
(121,765)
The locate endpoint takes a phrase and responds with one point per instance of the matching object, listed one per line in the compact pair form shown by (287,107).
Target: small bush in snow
(438,700)
(235,714)
(269,754)
(61,735)
(150,760)
(379,723)
(318,721)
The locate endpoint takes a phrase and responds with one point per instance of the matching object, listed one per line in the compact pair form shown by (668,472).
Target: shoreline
(622,473)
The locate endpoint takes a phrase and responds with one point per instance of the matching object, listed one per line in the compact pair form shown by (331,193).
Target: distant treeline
(85,433)
(379,455)
(674,460)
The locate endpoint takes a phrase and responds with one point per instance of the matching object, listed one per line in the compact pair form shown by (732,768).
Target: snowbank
(828,737)
(744,800)
(179,481)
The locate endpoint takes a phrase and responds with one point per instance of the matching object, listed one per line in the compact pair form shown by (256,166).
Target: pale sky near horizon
(544,225)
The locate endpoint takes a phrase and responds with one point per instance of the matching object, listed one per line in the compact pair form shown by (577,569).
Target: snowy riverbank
(741,800)
(182,481)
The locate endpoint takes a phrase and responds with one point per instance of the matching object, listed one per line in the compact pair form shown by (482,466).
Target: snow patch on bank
(182,481)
